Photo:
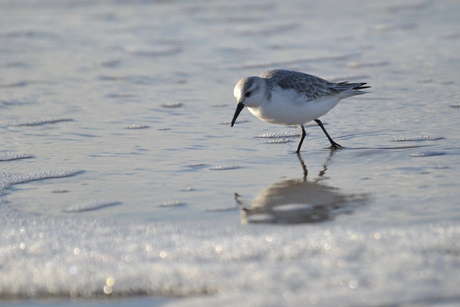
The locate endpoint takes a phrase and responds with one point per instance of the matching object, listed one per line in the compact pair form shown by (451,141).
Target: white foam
(227,264)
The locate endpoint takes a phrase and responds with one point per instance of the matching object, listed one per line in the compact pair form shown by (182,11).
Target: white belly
(289,108)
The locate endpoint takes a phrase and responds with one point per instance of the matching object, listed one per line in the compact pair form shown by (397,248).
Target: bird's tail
(351,89)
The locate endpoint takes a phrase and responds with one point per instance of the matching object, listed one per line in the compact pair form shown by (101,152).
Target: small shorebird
(292,98)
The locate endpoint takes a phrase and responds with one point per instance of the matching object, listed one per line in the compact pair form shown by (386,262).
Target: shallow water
(120,111)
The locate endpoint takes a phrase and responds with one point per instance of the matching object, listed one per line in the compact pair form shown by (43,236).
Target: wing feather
(311,86)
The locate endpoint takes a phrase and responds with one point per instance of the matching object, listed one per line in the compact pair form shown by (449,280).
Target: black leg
(334,145)
(301,138)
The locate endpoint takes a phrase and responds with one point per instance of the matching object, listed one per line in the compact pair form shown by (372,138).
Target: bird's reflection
(299,201)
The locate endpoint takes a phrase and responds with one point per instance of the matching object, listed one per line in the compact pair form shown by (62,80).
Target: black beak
(239,108)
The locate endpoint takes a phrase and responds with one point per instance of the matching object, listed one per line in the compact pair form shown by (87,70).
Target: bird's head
(248,93)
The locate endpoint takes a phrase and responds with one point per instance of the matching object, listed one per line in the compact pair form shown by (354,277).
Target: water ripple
(14,156)
(369,64)
(37,122)
(12,64)
(427,154)
(172,105)
(14,84)
(418,138)
(237,122)
(264,29)
(90,206)
(223,208)
(279,141)
(8,179)
(394,27)
(172,204)
(137,126)
(274,135)
(339,57)
(152,52)
(223,167)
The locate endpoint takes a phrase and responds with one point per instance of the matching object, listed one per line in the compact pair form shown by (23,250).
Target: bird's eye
(247,94)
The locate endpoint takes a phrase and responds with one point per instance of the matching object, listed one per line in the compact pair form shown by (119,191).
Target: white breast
(288,107)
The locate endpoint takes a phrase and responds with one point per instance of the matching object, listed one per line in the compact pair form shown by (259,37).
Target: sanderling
(292,98)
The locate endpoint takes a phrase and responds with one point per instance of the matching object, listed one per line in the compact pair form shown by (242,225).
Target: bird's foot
(335,146)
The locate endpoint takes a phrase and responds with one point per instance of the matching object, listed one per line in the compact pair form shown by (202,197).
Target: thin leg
(334,145)
(301,138)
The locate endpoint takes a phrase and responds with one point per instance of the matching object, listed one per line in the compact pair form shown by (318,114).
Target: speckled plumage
(292,98)
(311,86)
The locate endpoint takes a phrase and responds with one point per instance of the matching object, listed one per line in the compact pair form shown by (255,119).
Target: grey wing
(312,86)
